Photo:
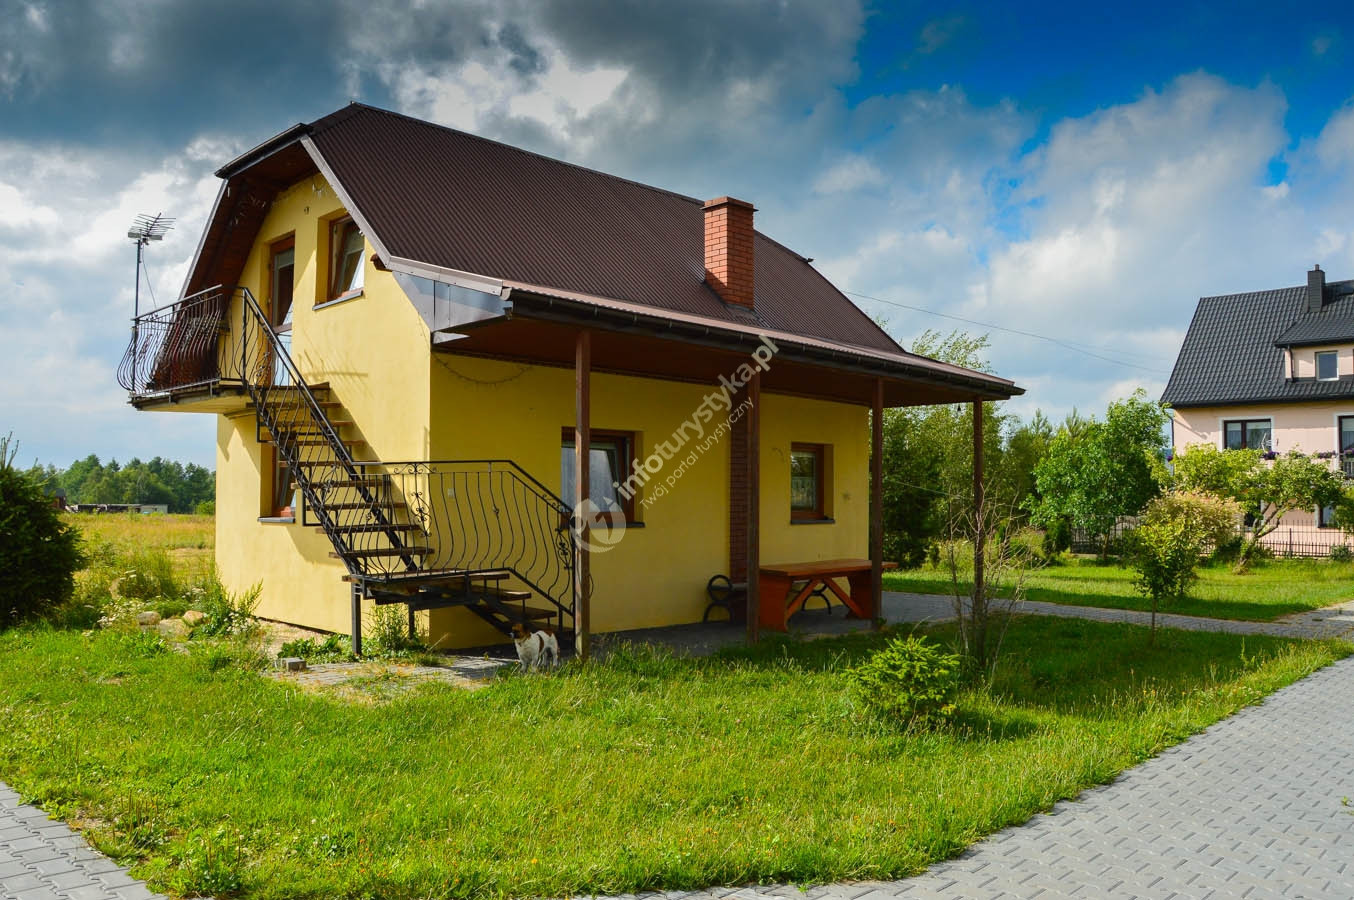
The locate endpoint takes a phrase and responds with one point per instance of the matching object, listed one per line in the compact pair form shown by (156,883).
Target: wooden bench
(778,603)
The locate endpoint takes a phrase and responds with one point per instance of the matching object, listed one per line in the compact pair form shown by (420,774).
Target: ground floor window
(1248,434)
(808,475)
(1325,517)
(612,463)
(282,488)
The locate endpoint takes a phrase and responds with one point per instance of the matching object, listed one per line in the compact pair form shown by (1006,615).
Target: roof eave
(264,150)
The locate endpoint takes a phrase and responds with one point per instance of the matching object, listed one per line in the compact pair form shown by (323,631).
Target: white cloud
(850,174)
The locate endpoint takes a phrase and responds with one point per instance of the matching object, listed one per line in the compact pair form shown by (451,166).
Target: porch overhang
(539,326)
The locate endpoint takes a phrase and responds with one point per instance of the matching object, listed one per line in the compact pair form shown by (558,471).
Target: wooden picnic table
(778,602)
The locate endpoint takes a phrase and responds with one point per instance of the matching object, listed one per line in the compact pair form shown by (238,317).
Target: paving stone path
(1251,808)
(44,860)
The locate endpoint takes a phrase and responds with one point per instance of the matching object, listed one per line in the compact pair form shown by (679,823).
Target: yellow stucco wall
(655,574)
(374,352)
(410,403)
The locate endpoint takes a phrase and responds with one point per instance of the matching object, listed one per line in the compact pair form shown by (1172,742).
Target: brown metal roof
(456,201)
(452,199)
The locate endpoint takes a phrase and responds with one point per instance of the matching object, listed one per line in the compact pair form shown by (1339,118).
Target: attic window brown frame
(342,232)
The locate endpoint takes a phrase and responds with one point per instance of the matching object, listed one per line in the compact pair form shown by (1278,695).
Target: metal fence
(1289,542)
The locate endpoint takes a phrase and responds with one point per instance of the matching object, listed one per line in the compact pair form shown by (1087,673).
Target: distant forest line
(184,488)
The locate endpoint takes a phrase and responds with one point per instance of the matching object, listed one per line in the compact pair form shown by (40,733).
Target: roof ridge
(479,137)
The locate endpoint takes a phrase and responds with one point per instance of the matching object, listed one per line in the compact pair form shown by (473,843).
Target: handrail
(387,520)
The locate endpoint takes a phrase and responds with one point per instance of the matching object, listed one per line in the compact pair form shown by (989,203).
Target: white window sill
(341,298)
(277,520)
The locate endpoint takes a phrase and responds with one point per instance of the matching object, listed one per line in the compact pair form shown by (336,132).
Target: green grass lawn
(645,771)
(1269,590)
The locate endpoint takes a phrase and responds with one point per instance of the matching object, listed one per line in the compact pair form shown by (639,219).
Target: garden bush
(1341,553)
(39,553)
(910,682)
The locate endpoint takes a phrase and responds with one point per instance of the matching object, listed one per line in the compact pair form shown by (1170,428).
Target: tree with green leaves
(39,552)
(1266,490)
(1174,533)
(1098,472)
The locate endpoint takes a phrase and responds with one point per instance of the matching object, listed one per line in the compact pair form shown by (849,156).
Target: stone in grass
(148,619)
(174,629)
(193,618)
(292,664)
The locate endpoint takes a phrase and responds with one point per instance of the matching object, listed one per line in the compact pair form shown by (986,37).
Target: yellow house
(410,336)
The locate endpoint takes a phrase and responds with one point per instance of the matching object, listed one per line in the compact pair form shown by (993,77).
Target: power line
(1075,348)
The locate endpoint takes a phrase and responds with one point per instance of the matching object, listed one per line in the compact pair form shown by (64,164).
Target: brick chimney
(728,249)
(1316,285)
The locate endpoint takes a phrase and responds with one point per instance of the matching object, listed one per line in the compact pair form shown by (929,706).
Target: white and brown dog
(535,649)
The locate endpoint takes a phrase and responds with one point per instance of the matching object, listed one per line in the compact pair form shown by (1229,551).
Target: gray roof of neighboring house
(1234,350)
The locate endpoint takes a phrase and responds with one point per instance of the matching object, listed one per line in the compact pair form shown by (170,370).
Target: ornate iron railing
(402,522)
(452,516)
(180,346)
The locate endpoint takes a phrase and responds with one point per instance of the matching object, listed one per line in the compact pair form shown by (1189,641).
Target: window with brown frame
(346,249)
(1247,434)
(612,462)
(281,490)
(281,282)
(808,472)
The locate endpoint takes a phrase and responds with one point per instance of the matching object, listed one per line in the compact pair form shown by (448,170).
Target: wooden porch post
(979,595)
(754,476)
(877,505)
(582,487)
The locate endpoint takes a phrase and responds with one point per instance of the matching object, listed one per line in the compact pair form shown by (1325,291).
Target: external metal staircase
(430,534)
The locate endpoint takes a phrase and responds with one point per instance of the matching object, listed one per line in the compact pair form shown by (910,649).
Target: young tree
(1174,533)
(1266,490)
(1096,472)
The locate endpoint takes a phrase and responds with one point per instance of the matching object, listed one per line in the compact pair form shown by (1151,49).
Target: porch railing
(388,522)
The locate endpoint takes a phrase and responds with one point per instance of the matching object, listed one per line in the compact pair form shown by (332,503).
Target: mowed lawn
(641,772)
(1269,590)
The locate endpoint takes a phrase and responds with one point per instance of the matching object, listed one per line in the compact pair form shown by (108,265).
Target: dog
(535,649)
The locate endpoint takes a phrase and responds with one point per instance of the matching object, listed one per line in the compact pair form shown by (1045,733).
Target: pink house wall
(1307,427)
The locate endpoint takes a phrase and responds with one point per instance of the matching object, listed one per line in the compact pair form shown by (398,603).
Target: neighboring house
(1272,371)
(408,334)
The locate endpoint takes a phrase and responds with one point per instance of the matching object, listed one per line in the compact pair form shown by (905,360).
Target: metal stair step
(382,551)
(369,528)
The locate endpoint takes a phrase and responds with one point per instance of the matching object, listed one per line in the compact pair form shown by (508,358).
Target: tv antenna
(144,230)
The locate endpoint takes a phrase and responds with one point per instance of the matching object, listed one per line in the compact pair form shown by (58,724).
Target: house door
(281,285)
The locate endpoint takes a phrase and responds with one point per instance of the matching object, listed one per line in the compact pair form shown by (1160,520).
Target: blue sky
(1082,172)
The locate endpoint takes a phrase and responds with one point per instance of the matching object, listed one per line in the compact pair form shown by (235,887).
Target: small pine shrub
(910,682)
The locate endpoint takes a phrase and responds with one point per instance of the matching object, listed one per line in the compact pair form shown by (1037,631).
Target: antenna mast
(144,230)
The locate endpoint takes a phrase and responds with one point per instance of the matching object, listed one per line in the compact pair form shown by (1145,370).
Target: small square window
(1327,366)
(611,464)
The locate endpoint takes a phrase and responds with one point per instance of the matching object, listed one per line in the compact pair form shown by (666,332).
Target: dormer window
(1327,366)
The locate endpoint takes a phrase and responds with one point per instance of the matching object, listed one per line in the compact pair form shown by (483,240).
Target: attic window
(346,248)
(1327,366)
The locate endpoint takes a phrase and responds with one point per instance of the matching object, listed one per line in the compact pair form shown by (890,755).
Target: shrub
(39,553)
(1173,535)
(388,633)
(227,614)
(1027,547)
(205,508)
(909,682)
(1341,553)
(333,647)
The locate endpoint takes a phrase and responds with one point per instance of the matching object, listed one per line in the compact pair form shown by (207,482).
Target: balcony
(184,356)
